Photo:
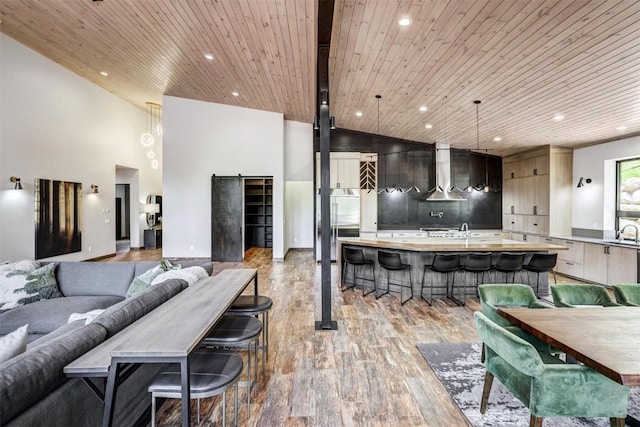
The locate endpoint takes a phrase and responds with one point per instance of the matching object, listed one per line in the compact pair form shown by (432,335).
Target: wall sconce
(94,189)
(316,126)
(16,181)
(582,181)
(324,97)
(332,122)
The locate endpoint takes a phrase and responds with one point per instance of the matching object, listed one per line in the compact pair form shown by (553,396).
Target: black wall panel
(402,162)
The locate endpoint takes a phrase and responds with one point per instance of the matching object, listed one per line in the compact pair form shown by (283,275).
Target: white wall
(201,139)
(594,204)
(57,125)
(298,172)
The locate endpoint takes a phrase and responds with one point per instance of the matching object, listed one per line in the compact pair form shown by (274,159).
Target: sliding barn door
(226,218)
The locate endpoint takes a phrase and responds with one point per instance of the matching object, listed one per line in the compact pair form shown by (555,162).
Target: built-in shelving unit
(258,212)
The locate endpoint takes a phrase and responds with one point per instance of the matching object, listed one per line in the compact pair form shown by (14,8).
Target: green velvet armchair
(492,295)
(580,295)
(627,294)
(546,385)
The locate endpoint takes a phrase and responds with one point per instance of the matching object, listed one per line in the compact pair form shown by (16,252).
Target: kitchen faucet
(465,227)
(621,232)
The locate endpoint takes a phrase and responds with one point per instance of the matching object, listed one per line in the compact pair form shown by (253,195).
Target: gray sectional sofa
(34,391)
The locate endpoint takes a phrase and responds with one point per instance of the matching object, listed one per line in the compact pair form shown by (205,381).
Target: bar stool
(254,305)
(510,262)
(476,263)
(238,333)
(212,372)
(390,261)
(444,263)
(355,258)
(542,263)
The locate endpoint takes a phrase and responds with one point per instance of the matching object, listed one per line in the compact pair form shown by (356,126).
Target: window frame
(619,212)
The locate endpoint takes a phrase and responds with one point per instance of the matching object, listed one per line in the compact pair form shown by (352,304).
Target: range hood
(443,177)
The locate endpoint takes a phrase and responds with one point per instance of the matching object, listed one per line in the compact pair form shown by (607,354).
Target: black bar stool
(390,261)
(355,258)
(542,263)
(444,263)
(476,263)
(212,372)
(509,262)
(255,305)
(238,333)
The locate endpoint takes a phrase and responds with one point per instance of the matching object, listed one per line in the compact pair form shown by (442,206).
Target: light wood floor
(367,373)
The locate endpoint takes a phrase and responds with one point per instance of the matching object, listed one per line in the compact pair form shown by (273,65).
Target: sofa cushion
(45,316)
(95,278)
(143,266)
(121,315)
(38,339)
(14,343)
(40,370)
(19,287)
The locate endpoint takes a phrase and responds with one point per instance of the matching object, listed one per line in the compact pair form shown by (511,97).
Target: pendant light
(413,174)
(381,189)
(397,187)
(469,188)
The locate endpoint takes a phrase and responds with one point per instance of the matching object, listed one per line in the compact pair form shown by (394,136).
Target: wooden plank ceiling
(526,60)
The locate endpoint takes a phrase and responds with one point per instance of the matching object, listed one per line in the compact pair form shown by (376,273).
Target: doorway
(122,217)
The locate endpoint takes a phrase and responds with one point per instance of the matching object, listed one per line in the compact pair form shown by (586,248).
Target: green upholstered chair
(580,295)
(546,385)
(493,295)
(627,294)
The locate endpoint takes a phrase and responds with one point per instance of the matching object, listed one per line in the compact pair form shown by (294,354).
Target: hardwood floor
(368,372)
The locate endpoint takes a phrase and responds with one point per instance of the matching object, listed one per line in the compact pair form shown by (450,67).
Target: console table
(182,323)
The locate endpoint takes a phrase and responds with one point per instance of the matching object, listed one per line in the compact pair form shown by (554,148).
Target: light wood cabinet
(537,184)
(609,265)
(595,268)
(571,261)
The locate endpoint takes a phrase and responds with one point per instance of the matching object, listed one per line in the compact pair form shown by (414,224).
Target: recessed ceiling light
(497,139)
(621,128)
(423,108)
(358,113)
(404,22)
(104,73)
(235,93)
(428,126)
(209,56)
(558,117)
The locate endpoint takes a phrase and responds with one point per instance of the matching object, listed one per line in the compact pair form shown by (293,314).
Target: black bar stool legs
(444,263)
(390,261)
(474,262)
(355,258)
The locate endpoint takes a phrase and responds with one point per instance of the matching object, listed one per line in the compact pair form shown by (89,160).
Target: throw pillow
(24,265)
(144,280)
(167,265)
(21,287)
(14,343)
(190,275)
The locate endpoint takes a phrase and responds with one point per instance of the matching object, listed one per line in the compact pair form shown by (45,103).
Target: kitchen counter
(431,244)
(419,251)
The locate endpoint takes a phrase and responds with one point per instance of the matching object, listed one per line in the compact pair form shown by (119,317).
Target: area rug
(458,367)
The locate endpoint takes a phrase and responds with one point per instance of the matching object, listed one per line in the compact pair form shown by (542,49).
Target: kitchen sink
(623,243)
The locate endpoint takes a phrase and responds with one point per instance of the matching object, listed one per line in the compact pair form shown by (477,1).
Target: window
(628,200)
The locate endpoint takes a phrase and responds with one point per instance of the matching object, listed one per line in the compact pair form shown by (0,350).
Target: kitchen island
(419,251)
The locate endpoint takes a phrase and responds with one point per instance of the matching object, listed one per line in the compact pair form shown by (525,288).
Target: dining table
(606,339)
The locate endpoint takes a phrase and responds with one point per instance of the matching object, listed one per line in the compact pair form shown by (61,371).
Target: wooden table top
(172,329)
(605,339)
(438,244)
